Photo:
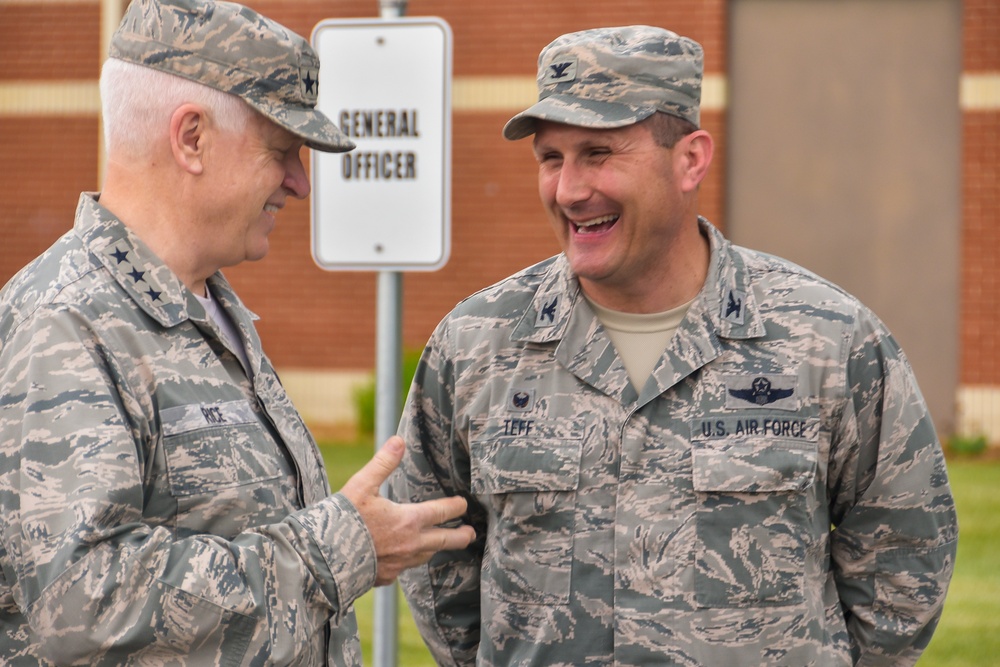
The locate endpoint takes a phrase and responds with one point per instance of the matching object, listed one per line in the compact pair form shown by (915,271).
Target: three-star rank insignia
(120,258)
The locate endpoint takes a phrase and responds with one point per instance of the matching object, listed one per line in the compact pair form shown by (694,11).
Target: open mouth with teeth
(601,224)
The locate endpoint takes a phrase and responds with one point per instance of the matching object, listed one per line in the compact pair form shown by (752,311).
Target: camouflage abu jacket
(156,506)
(774,495)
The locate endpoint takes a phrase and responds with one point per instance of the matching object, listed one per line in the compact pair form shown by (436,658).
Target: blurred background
(859,138)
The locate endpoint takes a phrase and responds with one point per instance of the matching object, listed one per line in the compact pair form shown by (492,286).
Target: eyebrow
(589,140)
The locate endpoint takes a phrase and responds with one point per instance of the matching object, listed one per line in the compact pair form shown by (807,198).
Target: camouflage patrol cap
(612,77)
(231,48)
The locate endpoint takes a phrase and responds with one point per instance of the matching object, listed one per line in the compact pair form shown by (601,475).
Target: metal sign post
(385,206)
(388,362)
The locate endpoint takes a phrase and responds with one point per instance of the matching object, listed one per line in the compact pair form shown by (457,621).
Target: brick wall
(980,329)
(497,222)
(50,41)
(47,160)
(980,337)
(312,318)
(978,397)
(323,320)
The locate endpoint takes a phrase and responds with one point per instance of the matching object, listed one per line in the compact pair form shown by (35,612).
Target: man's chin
(257,253)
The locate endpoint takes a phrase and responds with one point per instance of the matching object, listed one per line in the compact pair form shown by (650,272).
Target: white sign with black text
(386,205)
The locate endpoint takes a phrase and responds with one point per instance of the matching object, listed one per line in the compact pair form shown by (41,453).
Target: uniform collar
(725,307)
(727,302)
(136,268)
(548,316)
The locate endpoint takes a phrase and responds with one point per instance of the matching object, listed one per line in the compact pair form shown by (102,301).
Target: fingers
(404,535)
(431,535)
(448,539)
(378,469)
(430,542)
(439,511)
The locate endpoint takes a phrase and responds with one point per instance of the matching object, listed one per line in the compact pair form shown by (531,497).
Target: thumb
(378,469)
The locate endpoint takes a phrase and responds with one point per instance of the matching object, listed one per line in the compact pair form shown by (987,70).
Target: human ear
(188,137)
(694,155)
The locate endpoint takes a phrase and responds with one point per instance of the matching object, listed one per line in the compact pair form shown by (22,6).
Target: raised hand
(405,535)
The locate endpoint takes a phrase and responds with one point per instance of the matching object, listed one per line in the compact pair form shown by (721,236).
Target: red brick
(321,319)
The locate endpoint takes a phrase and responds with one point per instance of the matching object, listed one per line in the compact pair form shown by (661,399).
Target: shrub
(969,445)
(364,396)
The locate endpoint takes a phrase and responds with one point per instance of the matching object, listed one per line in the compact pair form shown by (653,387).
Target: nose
(296,180)
(572,185)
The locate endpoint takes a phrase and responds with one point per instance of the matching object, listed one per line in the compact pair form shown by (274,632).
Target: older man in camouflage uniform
(676,451)
(161,501)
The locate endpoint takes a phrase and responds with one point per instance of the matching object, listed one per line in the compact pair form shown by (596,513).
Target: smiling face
(252,175)
(622,208)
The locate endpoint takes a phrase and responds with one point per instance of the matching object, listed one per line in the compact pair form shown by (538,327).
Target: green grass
(969,633)
(342,460)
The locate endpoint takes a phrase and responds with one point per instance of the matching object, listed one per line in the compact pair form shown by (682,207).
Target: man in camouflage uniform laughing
(161,500)
(676,451)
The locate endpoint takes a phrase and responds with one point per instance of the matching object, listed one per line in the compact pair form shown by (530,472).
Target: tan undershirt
(640,338)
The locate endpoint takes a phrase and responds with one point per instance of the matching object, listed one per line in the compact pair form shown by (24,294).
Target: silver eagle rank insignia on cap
(613,77)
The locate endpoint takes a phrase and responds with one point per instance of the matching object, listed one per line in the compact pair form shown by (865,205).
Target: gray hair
(136,103)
